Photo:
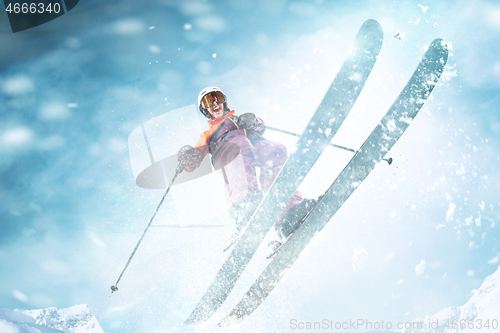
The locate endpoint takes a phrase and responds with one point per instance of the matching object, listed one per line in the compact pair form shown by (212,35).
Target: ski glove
(188,156)
(247,121)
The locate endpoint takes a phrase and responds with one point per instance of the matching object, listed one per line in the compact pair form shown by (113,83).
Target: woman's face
(217,108)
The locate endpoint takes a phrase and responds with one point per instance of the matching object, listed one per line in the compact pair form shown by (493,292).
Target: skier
(237,148)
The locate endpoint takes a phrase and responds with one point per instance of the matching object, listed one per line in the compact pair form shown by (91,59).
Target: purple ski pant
(239,158)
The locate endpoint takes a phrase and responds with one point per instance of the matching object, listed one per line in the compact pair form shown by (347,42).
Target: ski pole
(389,160)
(179,169)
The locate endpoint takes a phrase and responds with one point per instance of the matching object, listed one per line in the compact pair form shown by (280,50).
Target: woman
(237,148)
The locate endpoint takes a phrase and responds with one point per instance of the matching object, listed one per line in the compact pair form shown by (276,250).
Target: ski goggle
(209,99)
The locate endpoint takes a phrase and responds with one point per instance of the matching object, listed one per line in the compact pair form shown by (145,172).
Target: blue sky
(72,91)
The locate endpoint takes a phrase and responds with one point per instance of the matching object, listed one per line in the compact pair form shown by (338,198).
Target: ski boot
(242,211)
(289,223)
(294,218)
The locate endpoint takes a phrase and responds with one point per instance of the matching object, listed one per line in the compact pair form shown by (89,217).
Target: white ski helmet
(208,90)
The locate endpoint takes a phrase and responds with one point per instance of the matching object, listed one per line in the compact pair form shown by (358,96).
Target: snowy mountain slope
(480,313)
(482,309)
(14,321)
(76,319)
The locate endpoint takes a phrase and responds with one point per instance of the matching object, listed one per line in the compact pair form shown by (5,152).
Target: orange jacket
(213,124)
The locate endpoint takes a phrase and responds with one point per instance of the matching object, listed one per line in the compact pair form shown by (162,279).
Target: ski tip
(371,22)
(372,25)
(441,46)
(370,37)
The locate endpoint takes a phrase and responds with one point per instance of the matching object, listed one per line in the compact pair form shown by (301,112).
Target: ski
(324,124)
(380,141)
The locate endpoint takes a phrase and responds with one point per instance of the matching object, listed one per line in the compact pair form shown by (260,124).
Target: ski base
(380,141)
